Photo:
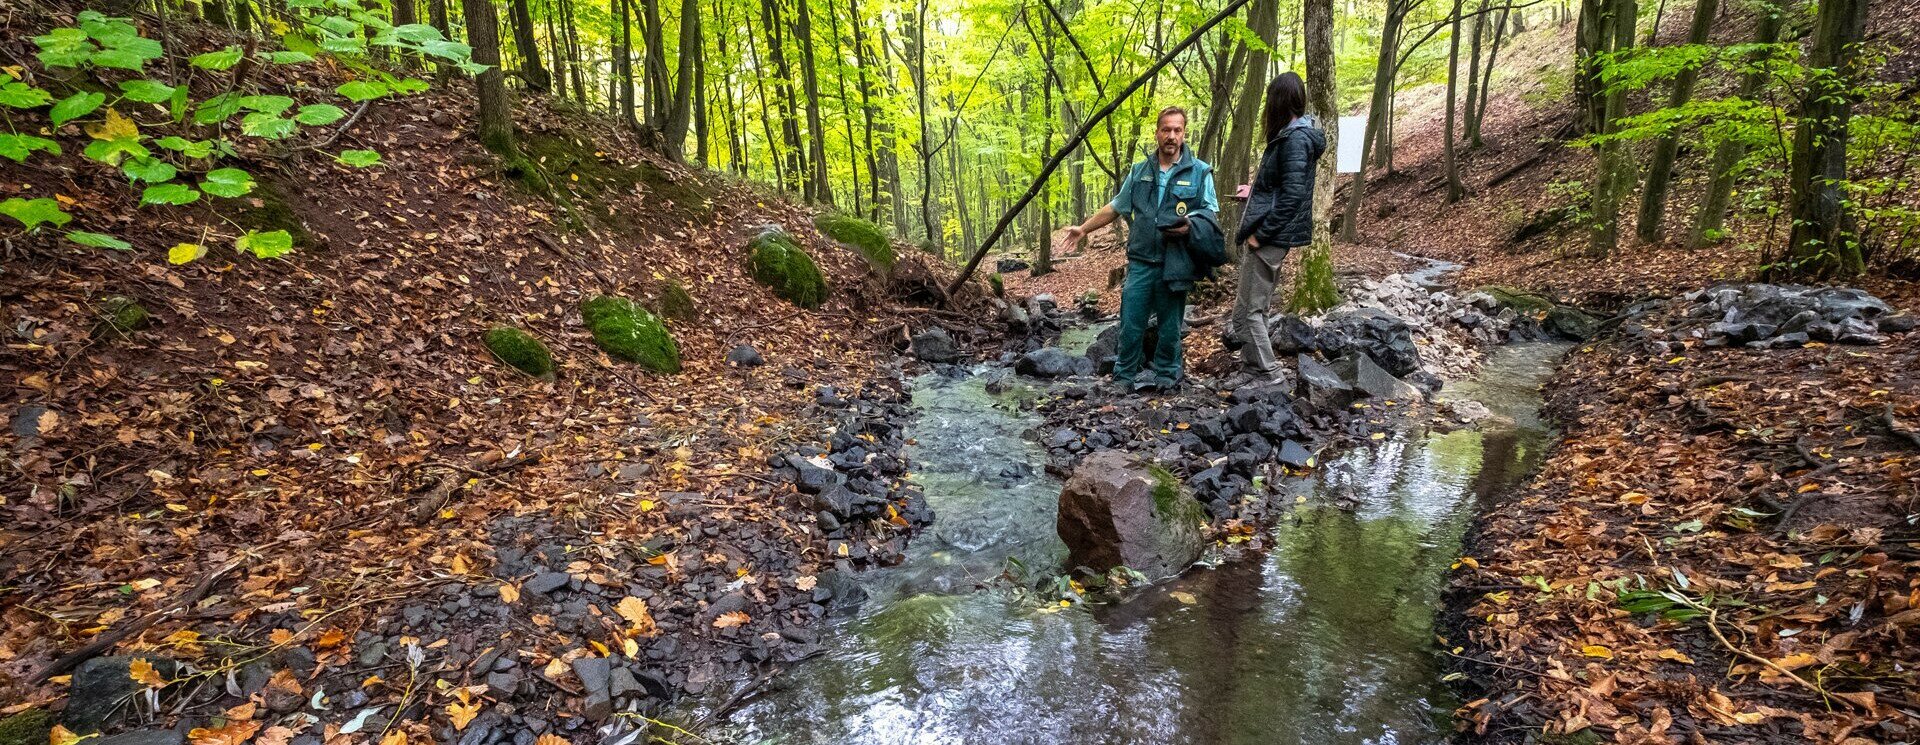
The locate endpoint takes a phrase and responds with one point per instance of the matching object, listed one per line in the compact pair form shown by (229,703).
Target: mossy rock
(30,727)
(997,284)
(781,264)
(273,212)
(1519,300)
(628,332)
(863,236)
(520,350)
(120,315)
(675,303)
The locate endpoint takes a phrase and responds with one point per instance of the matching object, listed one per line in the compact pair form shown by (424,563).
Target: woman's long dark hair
(1286,101)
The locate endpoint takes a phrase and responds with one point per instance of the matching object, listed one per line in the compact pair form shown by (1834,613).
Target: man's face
(1172,134)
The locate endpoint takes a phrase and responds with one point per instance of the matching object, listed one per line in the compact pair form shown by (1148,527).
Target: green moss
(780,264)
(628,332)
(123,315)
(675,303)
(562,161)
(1166,490)
(272,213)
(862,235)
(998,285)
(1519,300)
(30,727)
(1313,290)
(520,350)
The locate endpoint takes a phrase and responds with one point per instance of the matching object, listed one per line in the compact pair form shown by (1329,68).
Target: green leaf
(448,50)
(227,182)
(98,240)
(265,245)
(121,59)
(298,42)
(147,91)
(410,85)
(220,60)
(417,33)
(110,151)
(64,47)
(185,253)
(359,158)
(22,96)
(289,58)
(169,194)
(266,126)
(362,90)
(217,109)
(32,212)
(75,106)
(318,114)
(18,147)
(190,148)
(149,169)
(472,68)
(266,104)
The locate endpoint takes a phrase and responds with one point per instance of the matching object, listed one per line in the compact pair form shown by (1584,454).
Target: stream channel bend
(1326,638)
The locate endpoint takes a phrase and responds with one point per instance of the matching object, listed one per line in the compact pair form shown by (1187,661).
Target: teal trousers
(1144,297)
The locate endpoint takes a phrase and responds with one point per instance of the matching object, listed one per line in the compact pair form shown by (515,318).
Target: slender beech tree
(1313,289)
(532,71)
(1710,219)
(495,121)
(1653,196)
(1822,241)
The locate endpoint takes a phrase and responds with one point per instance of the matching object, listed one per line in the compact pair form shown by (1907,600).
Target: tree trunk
(1379,111)
(792,173)
(819,186)
(495,125)
(532,71)
(1612,174)
(1313,288)
(846,106)
(654,66)
(1455,190)
(679,115)
(437,18)
(1486,85)
(1653,198)
(1263,19)
(867,108)
(918,53)
(1472,112)
(1822,243)
(559,52)
(572,32)
(623,62)
(1711,218)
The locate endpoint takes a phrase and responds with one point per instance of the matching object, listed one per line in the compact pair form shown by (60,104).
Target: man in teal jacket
(1173,240)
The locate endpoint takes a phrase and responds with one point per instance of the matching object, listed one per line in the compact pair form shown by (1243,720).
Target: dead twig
(107,639)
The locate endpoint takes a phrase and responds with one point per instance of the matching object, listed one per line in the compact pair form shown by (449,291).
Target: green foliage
(997,284)
(1313,290)
(862,235)
(675,303)
(359,158)
(113,53)
(123,315)
(520,351)
(628,332)
(780,264)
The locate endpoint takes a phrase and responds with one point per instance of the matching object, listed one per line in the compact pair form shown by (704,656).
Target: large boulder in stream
(1372,332)
(1115,512)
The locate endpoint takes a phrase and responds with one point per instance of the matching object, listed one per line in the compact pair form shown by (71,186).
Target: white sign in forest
(1353,130)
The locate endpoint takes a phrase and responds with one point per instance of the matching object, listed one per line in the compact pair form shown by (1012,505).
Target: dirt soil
(311,466)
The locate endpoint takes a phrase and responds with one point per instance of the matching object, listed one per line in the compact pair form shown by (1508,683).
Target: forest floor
(1777,490)
(306,479)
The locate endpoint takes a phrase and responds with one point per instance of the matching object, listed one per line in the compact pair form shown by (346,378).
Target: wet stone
(547,582)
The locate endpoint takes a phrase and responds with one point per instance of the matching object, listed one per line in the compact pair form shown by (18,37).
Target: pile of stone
(861,478)
(1766,316)
(1450,331)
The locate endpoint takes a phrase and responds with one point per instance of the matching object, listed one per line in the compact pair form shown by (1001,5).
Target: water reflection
(1326,639)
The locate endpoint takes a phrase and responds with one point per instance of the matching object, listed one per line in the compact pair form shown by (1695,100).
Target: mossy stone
(123,315)
(779,263)
(864,236)
(675,303)
(273,212)
(520,350)
(997,284)
(1519,300)
(30,727)
(628,332)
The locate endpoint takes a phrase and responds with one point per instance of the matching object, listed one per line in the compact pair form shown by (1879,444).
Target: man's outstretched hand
(1070,239)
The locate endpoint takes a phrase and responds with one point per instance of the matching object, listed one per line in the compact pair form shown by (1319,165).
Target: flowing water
(1326,638)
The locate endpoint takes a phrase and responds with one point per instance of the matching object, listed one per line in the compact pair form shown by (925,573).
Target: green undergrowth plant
(781,264)
(175,148)
(628,332)
(520,351)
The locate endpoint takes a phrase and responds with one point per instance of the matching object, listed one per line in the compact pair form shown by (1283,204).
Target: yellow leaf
(115,127)
(509,594)
(631,648)
(332,638)
(395,737)
(142,672)
(1184,597)
(460,565)
(1595,650)
(462,713)
(551,739)
(185,252)
(730,620)
(635,611)
(805,584)
(1796,661)
(62,736)
(236,732)
(1466,561)
(555,668)
(280,637)
(601,648)
(1675,655)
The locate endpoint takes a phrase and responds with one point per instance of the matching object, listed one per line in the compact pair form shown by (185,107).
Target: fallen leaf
(1595,650)
(730,620)
(62,736)
(1184,597)
(509,594)
(396,737)
(143,672)
(236,732)
(635,611)
(1675,655)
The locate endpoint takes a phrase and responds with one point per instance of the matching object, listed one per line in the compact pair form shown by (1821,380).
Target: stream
(1325,638)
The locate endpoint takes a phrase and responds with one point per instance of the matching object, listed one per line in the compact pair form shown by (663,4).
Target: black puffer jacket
(1280,207)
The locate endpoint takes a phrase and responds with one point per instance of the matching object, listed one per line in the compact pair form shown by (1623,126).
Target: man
(1173,240)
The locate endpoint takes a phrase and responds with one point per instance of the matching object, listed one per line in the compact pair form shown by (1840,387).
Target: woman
(1279,217)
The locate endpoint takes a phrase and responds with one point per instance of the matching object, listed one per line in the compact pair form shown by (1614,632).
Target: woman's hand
(1253,241)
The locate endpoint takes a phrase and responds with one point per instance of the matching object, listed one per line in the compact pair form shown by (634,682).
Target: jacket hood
(1306,125)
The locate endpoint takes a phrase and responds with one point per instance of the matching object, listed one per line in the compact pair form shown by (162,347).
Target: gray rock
(814,478)
(1378,334)
(503,684)
(27,420)
(143,737)
(101,689)
(1359,371)
(936,345)
(595,675)
(1322,387)
(745,355)
(622,682)
(547,582)
(1116,513)
(1045,362)
(1897,324)
(1294,454)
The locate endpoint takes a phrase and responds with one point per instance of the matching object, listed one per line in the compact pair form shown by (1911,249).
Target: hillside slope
(317,455)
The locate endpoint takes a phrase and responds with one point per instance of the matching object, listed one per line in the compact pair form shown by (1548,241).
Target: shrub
(628,332)
(862,235)
(780,264)
(520,351)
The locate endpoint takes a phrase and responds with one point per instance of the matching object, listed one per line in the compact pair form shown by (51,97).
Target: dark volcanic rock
(1322,387)
(745,355)
(1047,362)
(1376,333)
(546,582)
(1114,513)
(102,688)
(936,345)
(1359,371)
